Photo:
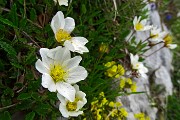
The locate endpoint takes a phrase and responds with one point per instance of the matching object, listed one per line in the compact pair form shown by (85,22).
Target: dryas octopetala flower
(168,41)
(59,71)
(138,66)
(140,25)
(156,35)
(72,108)
(62,28)
(62,2)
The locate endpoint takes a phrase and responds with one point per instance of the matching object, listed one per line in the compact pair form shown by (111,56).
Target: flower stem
(155,51)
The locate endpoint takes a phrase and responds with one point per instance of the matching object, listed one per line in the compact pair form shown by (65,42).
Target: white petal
(63,110)
(143,69)
(45,59)
(69,24)
(81,40)
(80,104)
(61,98)
(134,59)
(66,90)
(41,67)
(143,22)
(147,27)
(62,55)
(135,20)
(139,19)
(76,74)
(47,82)
(171,46)
(57,22)
(55,1)
(76,87)
(83,100)
(75,113)
(144,75)
(63,2)
(78,44)
(69,46)
(71,63)
(53,51)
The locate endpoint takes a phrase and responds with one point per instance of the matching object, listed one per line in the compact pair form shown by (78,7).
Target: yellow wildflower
(123,113)
(114,112)
(104,48)
(122,82)
(118,104)
(141,116)
(111,104)
(133,87)
(114,70)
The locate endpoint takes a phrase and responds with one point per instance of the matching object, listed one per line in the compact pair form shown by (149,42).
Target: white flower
(156,35)
(167,38)
(171,46)
(68,108)
(140,25)
(62,28)
(59,71)
(136,65)
(62,2)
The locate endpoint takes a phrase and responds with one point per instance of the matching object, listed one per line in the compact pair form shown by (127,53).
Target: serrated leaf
(30,116)
(42,108)
(7,22)
(8,48)
(24,96)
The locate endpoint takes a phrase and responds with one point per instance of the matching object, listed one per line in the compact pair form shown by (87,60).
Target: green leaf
(8,48)
(30,116)
(31,57)
(42,108)
(83,9)
(14,16)
(7,22)
(6,116)
(17,65)
(33,14)
(24,96)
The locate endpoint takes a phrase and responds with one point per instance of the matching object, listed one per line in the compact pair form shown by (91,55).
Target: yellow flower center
(139,26)
(154,35)
(62,35)
(167,39)
(57,73)
(72,106)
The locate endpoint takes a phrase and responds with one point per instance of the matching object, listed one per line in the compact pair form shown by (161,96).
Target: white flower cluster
(156,35)
(60,72)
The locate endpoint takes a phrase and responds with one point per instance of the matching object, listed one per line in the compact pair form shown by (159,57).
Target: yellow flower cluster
(141,116)
(104,110)
(103,48)
(114,70)
(127,83)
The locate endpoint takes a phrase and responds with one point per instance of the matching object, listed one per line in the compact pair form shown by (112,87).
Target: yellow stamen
(72,106)
(154,36)
(139,26)
(62,35)
(57,73)
(168,39)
